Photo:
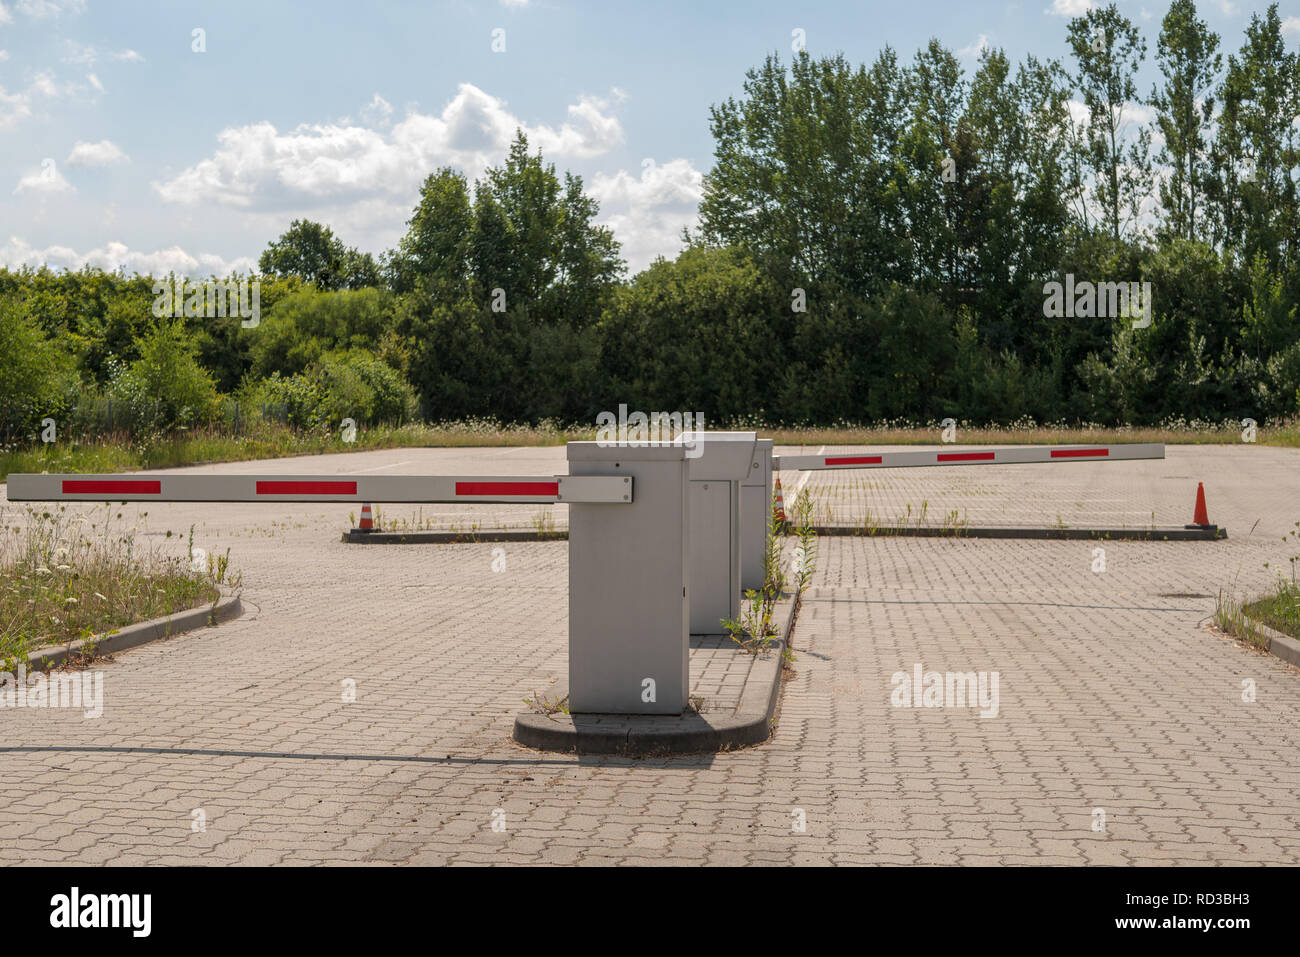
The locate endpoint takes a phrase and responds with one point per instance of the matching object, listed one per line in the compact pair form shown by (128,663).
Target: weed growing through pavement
(754,632)
(540,704)
(806,555)
(1231,618)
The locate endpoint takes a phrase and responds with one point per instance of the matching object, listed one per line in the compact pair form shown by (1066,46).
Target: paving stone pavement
(1115,695)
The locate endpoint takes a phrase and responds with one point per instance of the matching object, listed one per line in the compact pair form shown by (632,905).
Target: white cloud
(258,167)
(647,213)
(43,84)
(14,108)
(1291,26)
(976,48)
(378,112)
(115,255)
(45,9)
(1130,115)
(1070,8)
(103,153)
(18,106)
(591,132)
(46,179)
(5,15)
(517,4)
(4,55)
(83,54)
(1079,114)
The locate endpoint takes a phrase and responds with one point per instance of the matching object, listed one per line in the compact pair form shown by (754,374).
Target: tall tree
(435,250)
(944,165)
(1016,210)
(804,165)
(1189,62)
(1109,51)
(501,290)
(1257,150)
(535,236)
(314,254)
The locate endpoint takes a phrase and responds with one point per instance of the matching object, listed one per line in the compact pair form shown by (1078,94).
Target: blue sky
(124,147)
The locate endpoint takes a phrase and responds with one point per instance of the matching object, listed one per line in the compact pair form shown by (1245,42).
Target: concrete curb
(357,537)
(639,735)
(1280,645)
(132,636)
(1194,533)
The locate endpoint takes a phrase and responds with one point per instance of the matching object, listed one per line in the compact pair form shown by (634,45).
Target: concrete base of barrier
(358,537)
(649,735)
(1193,533)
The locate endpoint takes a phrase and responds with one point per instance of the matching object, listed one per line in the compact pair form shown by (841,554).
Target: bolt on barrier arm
(423,489)
(1027,455)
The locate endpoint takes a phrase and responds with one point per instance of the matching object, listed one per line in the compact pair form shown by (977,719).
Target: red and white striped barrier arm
(424,489)
(1019,456)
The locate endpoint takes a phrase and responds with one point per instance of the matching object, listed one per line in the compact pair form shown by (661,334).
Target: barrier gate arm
(391,489)
(1026,455)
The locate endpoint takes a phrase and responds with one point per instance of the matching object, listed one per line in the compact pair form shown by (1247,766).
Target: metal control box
(721,461)
(628,574)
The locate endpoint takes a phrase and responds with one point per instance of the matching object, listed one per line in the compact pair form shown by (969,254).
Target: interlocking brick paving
(1115,695)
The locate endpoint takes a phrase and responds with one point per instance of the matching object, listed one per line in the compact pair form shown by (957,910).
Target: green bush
(338,386)
(306,325)
(166,387)
(389,398)
(34,374)
(295,398)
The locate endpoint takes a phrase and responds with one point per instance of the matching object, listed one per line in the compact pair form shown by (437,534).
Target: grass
(123,453)
(66,576)
(543,523)
(1174,432)
(952,522)
(1279,610)
(1231,618)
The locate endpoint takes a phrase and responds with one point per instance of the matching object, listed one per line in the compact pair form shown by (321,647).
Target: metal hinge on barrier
(594,489)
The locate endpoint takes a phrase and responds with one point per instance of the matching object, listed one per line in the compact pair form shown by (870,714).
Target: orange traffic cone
(367,520)
(780,503)
(1201,517)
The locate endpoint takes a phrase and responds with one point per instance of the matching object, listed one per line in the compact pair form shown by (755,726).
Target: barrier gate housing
(647,523)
